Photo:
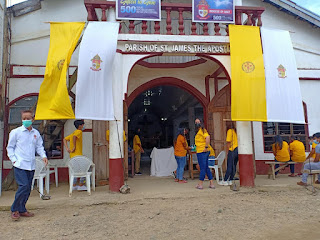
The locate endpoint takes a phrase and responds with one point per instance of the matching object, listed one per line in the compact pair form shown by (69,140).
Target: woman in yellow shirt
(297,153)
(280,151)
(180,152)
(202,141)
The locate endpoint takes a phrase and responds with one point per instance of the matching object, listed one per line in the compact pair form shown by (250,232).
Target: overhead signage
(214,48)
(138,10)
(219,11)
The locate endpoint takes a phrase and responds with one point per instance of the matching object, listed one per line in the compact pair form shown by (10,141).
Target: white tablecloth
(163,162)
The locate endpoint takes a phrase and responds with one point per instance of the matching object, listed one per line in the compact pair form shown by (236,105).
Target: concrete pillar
(191,118)
(116,151)
(245,151)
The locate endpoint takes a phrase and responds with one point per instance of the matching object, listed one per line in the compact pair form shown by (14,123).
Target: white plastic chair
(218,166)
(79,167)
(39,174)
(52,168)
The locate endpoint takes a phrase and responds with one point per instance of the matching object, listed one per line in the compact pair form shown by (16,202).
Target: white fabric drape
(94,97)
(284,101)
(163,162)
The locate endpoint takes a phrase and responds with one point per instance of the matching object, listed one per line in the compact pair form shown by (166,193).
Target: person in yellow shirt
(297,153)
(180,151)
(137,148)
(202,142)
(75,149)
(232,152)
(313,143)
(280,151)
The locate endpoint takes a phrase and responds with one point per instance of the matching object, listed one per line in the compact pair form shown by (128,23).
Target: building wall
(30,44)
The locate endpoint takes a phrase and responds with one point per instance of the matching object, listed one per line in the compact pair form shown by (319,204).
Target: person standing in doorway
(297,153)
(75,149)
(137,148)
(23,143)
(202,142)
(232,152)
(180,152)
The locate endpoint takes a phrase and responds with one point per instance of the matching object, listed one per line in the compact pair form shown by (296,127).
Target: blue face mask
(315,141)
(27,123)
(83,128)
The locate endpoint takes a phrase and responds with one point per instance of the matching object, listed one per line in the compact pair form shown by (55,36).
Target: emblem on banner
(203,8)
(96,61)
(60,64)
(248,67)
(281,71)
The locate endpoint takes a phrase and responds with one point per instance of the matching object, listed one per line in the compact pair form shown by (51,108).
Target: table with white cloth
(163,162)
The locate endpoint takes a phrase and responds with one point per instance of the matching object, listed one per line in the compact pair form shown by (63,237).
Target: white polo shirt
(22,147)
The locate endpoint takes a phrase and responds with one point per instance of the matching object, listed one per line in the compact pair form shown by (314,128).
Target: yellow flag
(248,89)
(54,101)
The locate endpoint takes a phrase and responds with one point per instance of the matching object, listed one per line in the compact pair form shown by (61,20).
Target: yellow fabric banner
(54,101)
(248,89)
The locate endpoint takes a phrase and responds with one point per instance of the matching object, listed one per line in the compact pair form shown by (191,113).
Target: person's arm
(74,139)
(311,153)
(317,157)
(11,147)
(207,143)
(40,149)
(274,150)
(66,145)
(228,146)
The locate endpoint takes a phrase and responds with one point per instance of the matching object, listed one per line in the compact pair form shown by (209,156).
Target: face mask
(27,123)
(198,125)
(315,141)
(83,128)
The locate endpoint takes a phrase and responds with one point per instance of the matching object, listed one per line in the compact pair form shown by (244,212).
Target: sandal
(183,181)
(212,186)
(199,187)
(176,180)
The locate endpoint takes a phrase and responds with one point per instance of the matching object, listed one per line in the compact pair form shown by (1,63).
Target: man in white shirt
(23,144)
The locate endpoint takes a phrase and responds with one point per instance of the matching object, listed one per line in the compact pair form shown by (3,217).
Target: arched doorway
(159,111)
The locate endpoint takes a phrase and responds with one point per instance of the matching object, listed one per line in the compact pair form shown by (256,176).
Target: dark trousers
(24,181)
(291,166)
(232,162)
(203,163)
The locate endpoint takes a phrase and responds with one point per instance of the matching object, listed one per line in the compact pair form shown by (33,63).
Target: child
(75,149)
(23,142)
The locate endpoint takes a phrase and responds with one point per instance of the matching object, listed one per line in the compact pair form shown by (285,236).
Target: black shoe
(138,173)
(235,178)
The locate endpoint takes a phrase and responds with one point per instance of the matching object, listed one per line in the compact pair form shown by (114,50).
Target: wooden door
(219,110)
(125,145)
(100,149)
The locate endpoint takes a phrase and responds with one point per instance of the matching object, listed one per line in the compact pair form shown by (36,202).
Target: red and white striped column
(245,151)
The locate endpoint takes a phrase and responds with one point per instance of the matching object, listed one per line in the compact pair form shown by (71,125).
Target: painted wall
(30,43)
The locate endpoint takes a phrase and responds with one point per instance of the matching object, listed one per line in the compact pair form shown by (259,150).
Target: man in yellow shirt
(137,148)
(280,151)
(232,152)
(297,153)
(75,149)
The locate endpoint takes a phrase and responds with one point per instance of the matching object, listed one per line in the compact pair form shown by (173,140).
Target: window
(51,131)
(285,130)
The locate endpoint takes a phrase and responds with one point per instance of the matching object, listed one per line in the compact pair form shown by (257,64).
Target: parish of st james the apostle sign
(176,48)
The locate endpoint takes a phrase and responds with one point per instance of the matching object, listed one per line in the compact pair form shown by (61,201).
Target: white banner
(94,97)
(284,101)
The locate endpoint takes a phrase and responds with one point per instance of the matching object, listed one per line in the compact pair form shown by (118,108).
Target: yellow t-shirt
(136,141)
(108,134)
(179,149)
(212,152)
(232,138)
(298,151)
(282,155)
(313,147)
(200,140)
(78,150)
